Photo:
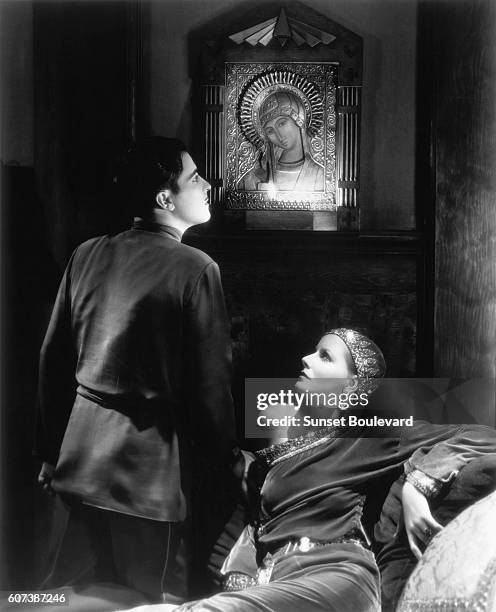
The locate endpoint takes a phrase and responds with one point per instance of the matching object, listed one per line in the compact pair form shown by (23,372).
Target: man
(134,376)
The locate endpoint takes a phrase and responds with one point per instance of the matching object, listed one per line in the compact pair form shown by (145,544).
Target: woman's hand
(420,525)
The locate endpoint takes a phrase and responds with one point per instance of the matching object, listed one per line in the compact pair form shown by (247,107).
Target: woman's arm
(436,453)
(431,455)
(428,471)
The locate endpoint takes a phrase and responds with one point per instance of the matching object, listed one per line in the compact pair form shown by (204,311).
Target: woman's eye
(325,356)
(195,178)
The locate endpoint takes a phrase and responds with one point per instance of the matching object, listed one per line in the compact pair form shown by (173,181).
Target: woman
(309,549)
(286,163)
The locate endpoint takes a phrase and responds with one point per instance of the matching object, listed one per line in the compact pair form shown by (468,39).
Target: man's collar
(155,223)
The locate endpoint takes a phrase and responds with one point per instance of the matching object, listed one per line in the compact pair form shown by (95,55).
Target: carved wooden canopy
(283,29)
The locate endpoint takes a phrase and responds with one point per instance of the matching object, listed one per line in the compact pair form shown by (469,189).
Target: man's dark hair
(154,164)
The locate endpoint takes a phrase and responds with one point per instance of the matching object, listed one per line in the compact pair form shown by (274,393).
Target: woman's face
(283,132)
(330,360)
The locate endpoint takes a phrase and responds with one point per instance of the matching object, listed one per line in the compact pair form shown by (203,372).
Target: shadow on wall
(31,279)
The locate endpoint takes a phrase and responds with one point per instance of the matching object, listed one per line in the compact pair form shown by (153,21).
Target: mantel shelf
(349,243)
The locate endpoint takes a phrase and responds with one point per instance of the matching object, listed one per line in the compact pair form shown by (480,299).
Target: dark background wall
(16,70)
(68,74)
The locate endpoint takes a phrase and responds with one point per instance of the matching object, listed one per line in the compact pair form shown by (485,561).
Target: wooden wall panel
(283,292)
(465,186)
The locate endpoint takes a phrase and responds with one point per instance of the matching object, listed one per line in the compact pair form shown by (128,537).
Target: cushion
(458,569)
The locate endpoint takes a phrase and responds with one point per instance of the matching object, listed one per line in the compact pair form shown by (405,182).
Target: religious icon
(280,136)
(285,161)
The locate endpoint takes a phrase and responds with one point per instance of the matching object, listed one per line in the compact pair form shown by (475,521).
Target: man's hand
(243,472)
(420,525)
(45,477)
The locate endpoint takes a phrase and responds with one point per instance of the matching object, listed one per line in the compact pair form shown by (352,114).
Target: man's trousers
(93,545)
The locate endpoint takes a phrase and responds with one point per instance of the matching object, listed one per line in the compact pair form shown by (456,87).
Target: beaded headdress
(367,356)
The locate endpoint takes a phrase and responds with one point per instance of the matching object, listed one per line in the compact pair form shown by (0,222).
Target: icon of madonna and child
(284,161)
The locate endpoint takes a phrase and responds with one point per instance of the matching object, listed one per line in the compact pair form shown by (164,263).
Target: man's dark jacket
(135,373)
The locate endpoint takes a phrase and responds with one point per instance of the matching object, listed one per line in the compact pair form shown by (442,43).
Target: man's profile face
(192,200)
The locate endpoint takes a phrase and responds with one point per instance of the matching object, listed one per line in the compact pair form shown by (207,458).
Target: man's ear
(163,199)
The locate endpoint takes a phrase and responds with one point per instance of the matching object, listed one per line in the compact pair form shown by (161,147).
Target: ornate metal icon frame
(247,85)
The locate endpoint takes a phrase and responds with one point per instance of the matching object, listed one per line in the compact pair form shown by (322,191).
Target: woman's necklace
(284,450)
